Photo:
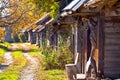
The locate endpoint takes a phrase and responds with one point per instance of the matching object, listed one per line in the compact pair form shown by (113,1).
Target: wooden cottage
(46,32)
(31,36)
(95,28)
(41,30)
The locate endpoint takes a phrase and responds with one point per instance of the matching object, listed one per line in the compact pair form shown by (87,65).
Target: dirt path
(8,59)
(29,72)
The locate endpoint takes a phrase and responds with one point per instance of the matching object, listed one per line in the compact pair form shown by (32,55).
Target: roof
(74,5)
(42,22)
(44,19)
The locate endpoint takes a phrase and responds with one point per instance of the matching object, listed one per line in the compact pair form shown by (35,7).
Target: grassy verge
(13,72)
(53,75)
(2,51)
(3,48)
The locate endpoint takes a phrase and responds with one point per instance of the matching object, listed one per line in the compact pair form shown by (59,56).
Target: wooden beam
(84,14)
(75,39)
(65,23)
(101,40)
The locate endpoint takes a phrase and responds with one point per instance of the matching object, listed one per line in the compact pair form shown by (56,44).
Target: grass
(53,75)
(2,51)
(34,52)
(13,72)
(3,48)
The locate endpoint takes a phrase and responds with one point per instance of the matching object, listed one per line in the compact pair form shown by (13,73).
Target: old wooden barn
(95,28)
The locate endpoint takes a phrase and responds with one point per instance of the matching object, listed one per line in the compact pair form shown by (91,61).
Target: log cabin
(95,28)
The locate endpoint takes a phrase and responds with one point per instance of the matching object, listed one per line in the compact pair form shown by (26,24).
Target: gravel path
(8,59)
(30,71)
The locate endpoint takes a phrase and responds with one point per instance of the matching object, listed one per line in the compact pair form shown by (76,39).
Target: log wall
(112,49)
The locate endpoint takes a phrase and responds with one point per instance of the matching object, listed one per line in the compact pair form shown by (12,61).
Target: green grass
(13,71)
(3,48)
(53,75)
(2,51)
(34,52)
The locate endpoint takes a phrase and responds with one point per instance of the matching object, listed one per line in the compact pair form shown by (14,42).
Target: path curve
(30,71)
(8,59)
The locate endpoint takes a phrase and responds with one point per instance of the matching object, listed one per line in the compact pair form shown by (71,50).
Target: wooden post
(84,58)
(101,40)
(40,40)
(43,37)
(71,71)
(30,35)
(37,39)
(76,39)
(72,38)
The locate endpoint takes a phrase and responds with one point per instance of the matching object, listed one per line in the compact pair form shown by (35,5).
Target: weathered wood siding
(112,49)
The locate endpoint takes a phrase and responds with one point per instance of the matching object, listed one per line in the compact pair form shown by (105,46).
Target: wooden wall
(112,48)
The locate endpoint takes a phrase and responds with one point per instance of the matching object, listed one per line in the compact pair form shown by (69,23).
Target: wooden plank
(112,44)
(112,56)
(112,66)
(112,40)
(84,14)
(108,24)
(112,59)
(76,38)
(111,33)
(112,48)
(113,29)
(71,71)
(112,51)
(101,39)
(109,64)
(108,36)
(108,72)
(117,69)
(113,70)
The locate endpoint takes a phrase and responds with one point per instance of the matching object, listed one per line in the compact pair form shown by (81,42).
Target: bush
(56,59)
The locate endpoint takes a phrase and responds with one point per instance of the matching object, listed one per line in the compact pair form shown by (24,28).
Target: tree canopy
(19,14)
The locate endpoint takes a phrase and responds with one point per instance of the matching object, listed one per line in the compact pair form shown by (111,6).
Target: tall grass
(13,71)
(56,59)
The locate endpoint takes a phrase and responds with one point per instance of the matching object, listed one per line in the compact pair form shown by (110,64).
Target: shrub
(56,59)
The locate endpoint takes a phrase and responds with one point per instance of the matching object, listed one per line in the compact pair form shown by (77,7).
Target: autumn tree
(48,6)
(16,14)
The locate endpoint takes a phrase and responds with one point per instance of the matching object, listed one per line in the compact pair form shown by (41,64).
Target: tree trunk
(8,37)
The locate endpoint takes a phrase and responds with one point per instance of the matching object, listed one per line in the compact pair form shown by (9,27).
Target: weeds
(56,59)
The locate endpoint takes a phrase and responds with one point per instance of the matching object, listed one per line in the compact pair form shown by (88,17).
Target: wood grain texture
(112,49)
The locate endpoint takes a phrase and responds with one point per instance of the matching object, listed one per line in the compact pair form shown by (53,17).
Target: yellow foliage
(2,33)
